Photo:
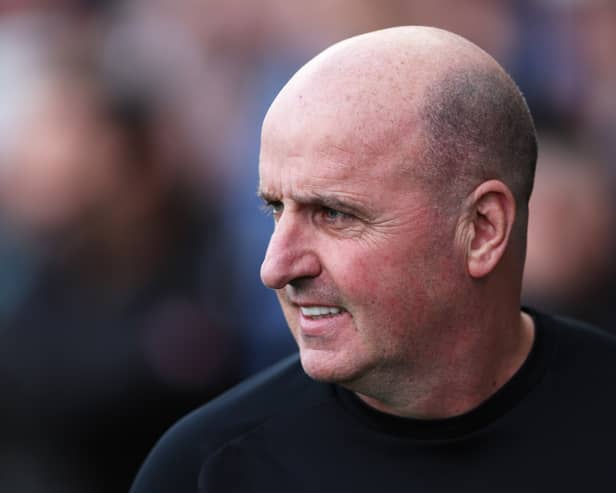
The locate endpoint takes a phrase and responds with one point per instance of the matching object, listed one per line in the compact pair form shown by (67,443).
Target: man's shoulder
(277,391)
(281,388)
(579,347)
(571,330)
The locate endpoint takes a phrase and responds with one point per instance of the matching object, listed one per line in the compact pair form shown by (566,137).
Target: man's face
(360,257)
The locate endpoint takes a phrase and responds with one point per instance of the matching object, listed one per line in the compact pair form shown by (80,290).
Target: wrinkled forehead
(317,144)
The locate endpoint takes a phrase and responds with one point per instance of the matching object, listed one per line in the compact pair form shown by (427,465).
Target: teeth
(316,311)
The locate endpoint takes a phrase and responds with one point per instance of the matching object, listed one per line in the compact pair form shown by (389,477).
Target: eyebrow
(320,199)
(265,196)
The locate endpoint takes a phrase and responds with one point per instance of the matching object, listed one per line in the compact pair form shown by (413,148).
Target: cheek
(395,289)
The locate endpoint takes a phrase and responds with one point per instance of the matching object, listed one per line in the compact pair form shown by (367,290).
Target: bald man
(397,166)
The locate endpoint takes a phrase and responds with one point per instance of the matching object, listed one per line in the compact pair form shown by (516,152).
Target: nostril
(300,283)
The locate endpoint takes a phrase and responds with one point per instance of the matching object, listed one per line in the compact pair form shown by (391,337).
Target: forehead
(350,116)
(317,139)
(307,159)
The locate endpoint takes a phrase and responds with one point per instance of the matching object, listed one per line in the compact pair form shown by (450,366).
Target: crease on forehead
(339,187)
(305,182)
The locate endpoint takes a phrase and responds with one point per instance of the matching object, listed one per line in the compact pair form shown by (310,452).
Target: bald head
(438,105)
(403,60)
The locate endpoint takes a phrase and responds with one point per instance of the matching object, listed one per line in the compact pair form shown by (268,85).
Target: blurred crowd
(130,231)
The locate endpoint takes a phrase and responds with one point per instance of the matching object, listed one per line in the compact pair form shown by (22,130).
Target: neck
(473,370)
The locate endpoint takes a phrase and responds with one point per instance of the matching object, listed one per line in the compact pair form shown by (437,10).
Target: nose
(290,254)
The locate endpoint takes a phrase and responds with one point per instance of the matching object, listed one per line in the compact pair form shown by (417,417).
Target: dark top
(550,428)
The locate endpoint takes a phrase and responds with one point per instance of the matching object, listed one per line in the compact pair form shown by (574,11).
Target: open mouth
(320,311)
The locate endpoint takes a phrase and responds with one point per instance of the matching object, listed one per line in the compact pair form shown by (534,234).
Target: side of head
(476,131)
(397,165)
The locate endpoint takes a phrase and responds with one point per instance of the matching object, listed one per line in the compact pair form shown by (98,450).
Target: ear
(491,217)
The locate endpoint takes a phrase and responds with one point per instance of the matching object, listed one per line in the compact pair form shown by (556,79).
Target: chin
(329,367)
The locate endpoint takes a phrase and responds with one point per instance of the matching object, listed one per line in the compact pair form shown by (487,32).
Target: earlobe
(492,217)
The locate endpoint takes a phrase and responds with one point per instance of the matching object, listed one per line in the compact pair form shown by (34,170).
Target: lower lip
(321,326)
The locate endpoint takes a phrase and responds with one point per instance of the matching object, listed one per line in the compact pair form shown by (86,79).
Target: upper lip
(308,304)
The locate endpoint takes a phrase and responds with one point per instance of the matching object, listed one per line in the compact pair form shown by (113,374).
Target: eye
(333,215)
(273,208)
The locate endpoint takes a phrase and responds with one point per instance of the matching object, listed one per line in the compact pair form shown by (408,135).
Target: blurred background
(130,232)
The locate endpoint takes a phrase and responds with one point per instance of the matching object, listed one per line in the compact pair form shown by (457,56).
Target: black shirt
(550,428)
